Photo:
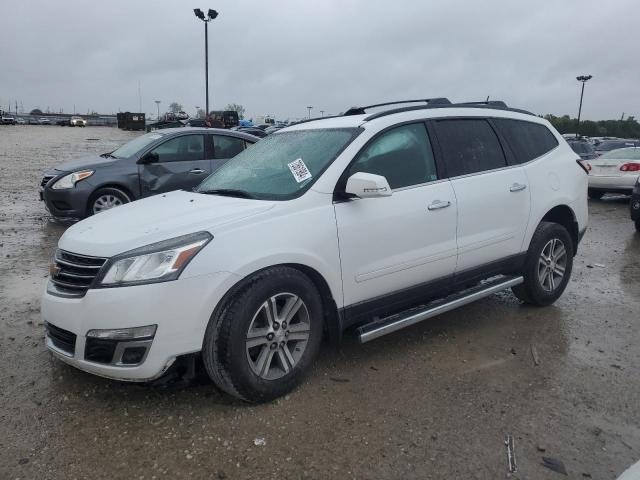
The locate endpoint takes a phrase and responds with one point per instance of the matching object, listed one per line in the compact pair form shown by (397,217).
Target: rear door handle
(197,171)
(438,204)
(516,187)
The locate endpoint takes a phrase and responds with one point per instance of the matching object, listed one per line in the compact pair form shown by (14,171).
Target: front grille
(61,339)
(73,274)
(46,179)
(99,350)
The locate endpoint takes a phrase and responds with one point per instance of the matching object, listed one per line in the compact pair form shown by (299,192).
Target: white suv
(366,221)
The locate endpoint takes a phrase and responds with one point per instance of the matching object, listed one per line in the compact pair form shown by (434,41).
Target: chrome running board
(392,323)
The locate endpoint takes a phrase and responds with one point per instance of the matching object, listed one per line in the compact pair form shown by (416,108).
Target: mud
(429,402)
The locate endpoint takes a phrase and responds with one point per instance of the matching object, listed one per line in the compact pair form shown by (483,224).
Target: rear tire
(105,199)
(262,343)
(595,194)
(548,265)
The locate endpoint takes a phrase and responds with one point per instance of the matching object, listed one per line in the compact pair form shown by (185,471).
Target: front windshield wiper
(107,155)
(229,192)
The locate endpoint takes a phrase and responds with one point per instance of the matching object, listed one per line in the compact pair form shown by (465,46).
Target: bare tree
(175,107)
(236,107)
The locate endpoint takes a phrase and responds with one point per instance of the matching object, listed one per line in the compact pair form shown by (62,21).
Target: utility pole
(158,105)
(584,79)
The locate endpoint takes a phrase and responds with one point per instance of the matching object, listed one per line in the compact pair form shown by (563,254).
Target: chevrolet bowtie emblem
(53,269)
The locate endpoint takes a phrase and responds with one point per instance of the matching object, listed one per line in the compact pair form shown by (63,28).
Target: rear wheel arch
(565,216)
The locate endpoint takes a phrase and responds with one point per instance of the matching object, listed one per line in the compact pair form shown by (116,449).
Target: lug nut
(282,344)
(276,325)
(286,334)
(270,336)
(274,345)
(284,324)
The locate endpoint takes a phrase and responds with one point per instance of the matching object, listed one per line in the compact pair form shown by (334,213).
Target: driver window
(181,149)
(402,155)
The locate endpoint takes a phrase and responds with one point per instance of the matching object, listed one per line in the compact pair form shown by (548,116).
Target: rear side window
(469,146)
(527,140)
(402,155)
(227,147)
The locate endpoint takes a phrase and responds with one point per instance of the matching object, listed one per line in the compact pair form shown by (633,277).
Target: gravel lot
(429,402)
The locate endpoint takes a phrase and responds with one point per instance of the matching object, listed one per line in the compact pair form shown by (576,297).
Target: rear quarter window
(527,140)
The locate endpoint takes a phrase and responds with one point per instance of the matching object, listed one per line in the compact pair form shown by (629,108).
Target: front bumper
(181,310)
(68,203)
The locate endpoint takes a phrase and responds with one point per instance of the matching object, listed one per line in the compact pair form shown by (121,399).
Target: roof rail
(493,104)
(428,101)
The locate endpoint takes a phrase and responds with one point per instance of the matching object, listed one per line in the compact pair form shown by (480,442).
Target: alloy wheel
(277,336)
(105,202)
(552,264)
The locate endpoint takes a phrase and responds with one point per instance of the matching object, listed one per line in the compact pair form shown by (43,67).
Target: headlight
(158,262)
(69,181)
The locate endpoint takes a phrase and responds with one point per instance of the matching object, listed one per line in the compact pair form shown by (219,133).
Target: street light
(158,105)
(211,14)
(584,79)
(309,108)
(322,113)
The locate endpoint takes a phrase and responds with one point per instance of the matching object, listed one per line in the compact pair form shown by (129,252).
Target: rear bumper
(621,183)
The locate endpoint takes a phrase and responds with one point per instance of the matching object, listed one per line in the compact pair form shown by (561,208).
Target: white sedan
(614,172)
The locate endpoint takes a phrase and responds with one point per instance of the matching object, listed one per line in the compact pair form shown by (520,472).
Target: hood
(154,219)
(85,163)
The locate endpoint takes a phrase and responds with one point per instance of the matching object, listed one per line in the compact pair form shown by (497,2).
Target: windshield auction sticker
(299,170)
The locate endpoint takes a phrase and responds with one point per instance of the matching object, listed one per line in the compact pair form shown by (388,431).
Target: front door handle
(516,187)
(437,204)
(197,171)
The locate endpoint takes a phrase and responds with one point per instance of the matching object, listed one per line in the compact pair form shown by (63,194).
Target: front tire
(106,199)
(264,340)
(548,265)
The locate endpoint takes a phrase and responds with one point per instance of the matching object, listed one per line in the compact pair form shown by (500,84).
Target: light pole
(309,108)
(322,113)
(211,14)
(584,79)
(158,105)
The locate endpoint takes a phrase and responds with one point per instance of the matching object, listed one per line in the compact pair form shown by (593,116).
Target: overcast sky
(278,57)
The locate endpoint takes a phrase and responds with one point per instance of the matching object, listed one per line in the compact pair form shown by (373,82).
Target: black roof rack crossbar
(428,101)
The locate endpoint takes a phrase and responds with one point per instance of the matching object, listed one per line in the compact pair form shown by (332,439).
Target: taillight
(586,166)
(630,167)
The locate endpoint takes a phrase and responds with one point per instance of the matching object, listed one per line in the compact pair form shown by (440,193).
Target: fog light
(133,355)
(136,333)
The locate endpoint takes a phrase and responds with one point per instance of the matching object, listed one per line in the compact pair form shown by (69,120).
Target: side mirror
(368,185)
(149,158)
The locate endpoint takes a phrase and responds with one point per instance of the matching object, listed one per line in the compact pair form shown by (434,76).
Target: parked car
(608,145)
(583,148)
(255,131)
(351,222)
(157,162)
(32,121)
(20,121)
(634,205)
(63,122)
(615,171)
(8,120)
(77,122)
(44,121)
